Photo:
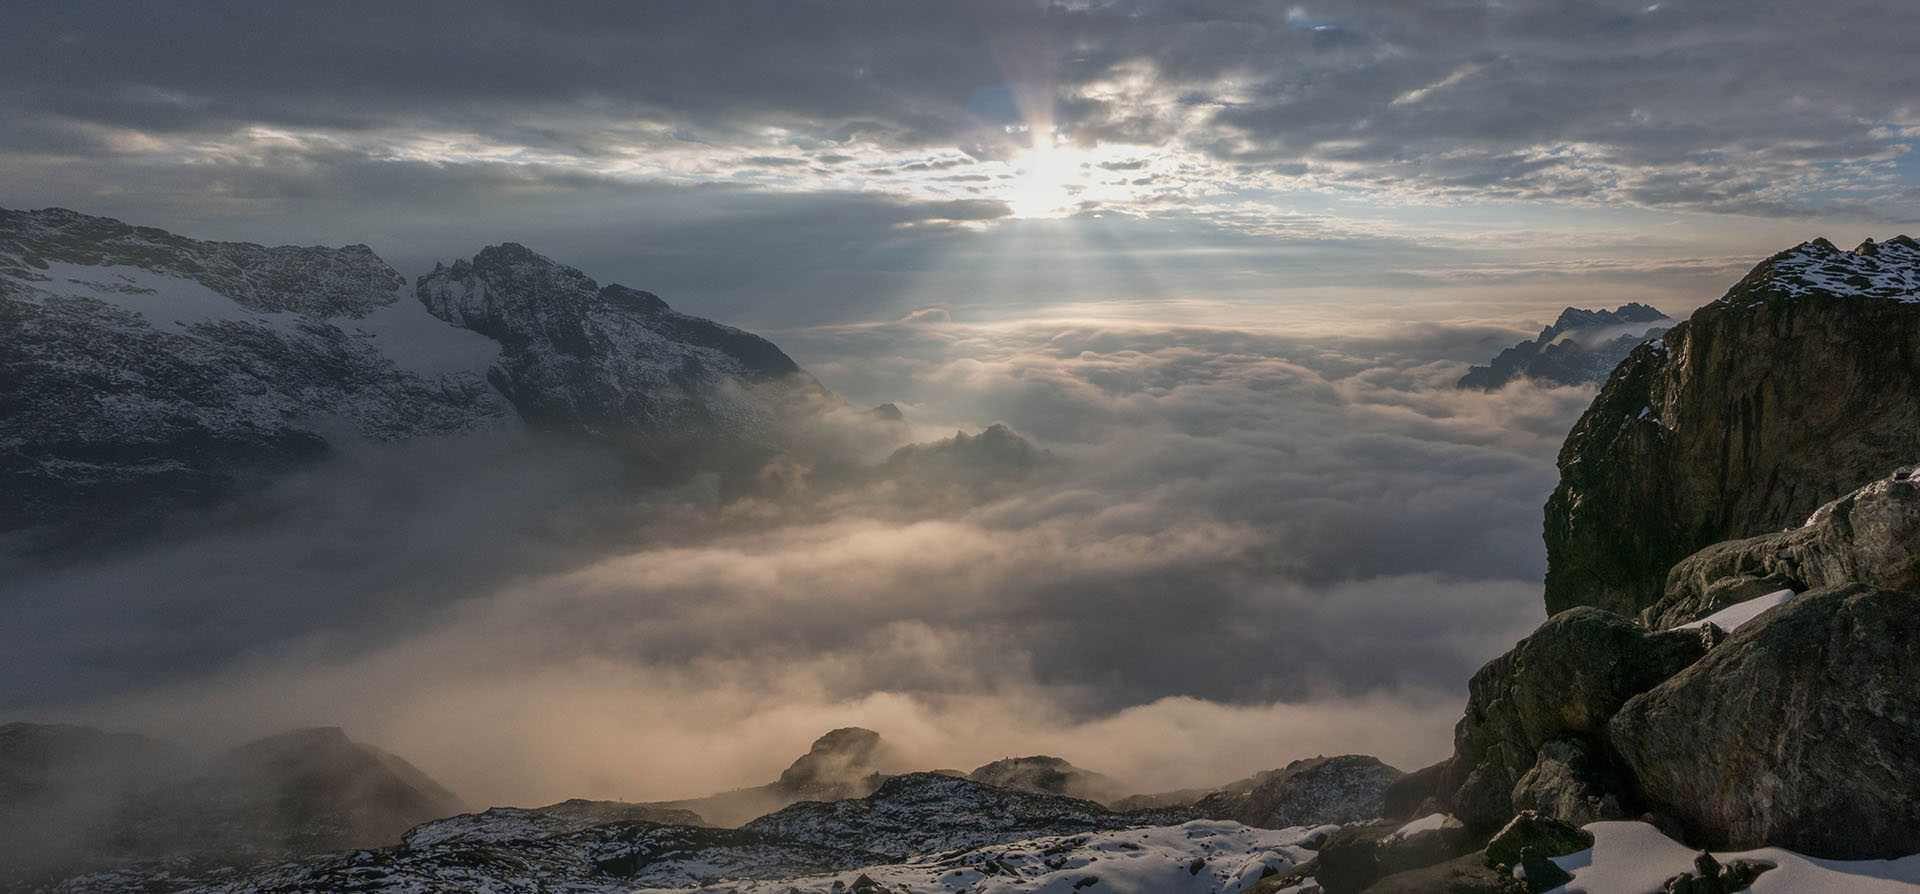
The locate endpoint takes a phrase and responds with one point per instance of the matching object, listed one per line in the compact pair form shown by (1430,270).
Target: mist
(1244,547)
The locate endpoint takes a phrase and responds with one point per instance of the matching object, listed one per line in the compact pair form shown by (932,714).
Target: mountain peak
(1817,267)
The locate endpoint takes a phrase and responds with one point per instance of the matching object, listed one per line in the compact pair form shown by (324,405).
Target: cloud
(1251,547)
(1679,108)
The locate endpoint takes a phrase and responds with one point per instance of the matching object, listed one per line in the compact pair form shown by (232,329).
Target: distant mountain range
(145,370)
(1582,346)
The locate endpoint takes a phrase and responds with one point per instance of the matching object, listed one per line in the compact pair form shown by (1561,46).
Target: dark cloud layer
(1728,106)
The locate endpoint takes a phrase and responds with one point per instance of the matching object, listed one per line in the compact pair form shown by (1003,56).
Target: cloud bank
(1250,547)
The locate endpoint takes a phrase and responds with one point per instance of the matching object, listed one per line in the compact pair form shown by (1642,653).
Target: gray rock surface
(1867,536)
(1801,730)
(1792,389)
(1542,835)
(1568,677)
(1309,792)
(1570,781)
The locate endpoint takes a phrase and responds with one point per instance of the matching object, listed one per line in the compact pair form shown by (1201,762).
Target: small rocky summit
(1582,346)
(1308,792)
(1049,775)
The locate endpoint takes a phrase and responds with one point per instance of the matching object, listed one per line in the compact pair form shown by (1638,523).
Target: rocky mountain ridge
(147,370)
(1579,347)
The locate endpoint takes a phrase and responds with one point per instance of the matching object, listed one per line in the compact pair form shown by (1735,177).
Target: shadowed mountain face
(146,370)
(78,797)
(1581,346)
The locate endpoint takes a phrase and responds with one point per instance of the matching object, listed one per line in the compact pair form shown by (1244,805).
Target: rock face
(1566,679)
(1802,731)
(1309,792)
(144,370)
(1581,346)
(1867,536)
(615,362)
(1572,781)
(1792,389)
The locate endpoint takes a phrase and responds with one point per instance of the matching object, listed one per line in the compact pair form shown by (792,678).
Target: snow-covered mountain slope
(143,370)
(918,832)
(1201,857)
(922,813)
(1889,269)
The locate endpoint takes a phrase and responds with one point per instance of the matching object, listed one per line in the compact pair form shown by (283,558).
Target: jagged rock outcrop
(1050,775)
(1581,346)
(1308,792)
(1801,730)
(614,362)
(1800,383)
(1566,679)
(996,455)
(1867,536)
(144,370)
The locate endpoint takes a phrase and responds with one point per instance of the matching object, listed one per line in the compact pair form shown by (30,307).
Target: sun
(1048,180)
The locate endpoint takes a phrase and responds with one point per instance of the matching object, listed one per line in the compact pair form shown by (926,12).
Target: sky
(1222,259)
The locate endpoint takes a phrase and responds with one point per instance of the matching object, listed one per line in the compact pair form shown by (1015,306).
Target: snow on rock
(1200,857)
(1731,617)
(1635,858)
(1432,822)
(146,369)
(1889,269)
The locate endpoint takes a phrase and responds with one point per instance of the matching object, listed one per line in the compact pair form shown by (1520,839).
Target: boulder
(1709,877)
(1469,874)
(1541,836)
(1568,677)
(1570,781)
(1801,730)
(1864,537)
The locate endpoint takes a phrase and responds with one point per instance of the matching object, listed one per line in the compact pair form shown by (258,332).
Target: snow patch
(1432,822)
(1634,858)
(421,343)
(163,300)
(1731,617)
